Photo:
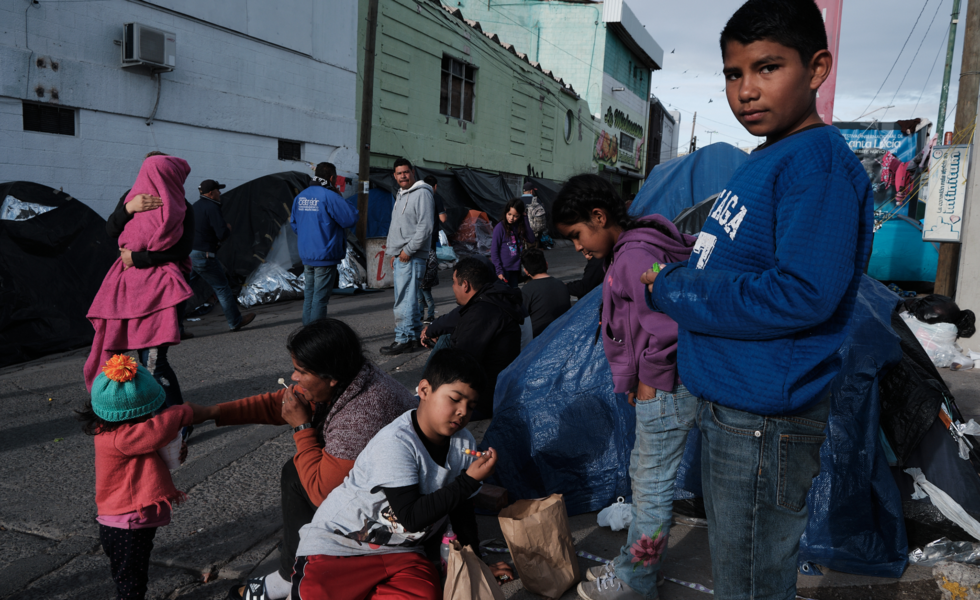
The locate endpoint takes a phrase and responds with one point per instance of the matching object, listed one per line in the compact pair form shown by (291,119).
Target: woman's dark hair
(521,208)
(796,24)
(329,349)
(584,193)
(93,424)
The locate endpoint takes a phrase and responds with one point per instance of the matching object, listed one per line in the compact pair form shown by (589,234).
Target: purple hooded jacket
(505,251)
(640,345)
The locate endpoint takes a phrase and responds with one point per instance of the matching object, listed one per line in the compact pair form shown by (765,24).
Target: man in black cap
(210,229)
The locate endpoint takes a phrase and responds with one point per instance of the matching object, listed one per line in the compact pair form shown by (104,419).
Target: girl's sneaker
(607,587)
(594,573)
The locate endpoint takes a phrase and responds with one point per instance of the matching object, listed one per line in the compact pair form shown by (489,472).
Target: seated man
(486,325)
(545,298)
(595,270)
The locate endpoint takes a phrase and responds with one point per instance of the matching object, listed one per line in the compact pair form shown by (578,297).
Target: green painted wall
(519,112)
(622,64)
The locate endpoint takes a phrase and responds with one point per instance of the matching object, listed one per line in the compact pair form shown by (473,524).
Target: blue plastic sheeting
(683,182)
(557,424)
(380,203)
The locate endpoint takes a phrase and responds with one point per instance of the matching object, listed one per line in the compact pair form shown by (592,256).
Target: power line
(914,56)
(914,25)
(942,44)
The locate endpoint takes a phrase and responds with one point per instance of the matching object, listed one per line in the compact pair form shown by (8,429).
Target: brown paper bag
(468,577)
(541,545)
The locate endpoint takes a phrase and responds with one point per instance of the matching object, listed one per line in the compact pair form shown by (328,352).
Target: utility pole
(711,135)
(944,93)
(694,139)
(966,114)
(367,104)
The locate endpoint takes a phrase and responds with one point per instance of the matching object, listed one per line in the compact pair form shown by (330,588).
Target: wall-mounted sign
(947,190)
(620,120)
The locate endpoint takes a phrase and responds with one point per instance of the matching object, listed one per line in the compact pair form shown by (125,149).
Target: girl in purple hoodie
(641,347)
(511,237)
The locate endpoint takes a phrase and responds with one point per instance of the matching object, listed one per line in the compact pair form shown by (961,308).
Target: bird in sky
(672,51)
(710,100)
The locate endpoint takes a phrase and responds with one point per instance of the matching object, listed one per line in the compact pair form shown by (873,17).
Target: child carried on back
(369,536)
(133,488)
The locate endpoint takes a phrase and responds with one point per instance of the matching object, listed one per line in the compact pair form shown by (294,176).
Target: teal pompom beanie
(113,401)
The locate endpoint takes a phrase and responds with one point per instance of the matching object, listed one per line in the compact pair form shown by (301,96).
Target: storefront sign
(902,146)
(947,190)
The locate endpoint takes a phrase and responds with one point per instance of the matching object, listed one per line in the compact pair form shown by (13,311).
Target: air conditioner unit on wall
(149,47)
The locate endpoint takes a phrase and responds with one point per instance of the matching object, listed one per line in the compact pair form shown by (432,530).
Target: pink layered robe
(137,308)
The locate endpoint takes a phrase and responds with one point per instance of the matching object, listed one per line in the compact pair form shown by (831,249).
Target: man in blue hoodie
(766,299)
(319,218)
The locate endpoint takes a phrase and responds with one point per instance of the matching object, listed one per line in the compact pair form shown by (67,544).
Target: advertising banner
(831,10)
(883,136)
(943,220)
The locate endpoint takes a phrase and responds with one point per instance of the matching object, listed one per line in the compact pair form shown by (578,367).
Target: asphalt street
(230,525)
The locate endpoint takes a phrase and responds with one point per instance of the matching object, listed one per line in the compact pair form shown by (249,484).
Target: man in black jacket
(210,229)
(486,324)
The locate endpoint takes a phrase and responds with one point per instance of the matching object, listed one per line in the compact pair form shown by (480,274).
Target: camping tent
(54,253)
(900,255)
(683,182)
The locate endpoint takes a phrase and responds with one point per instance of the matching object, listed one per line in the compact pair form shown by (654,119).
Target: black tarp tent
(454,196)
(52,264)
(256,211)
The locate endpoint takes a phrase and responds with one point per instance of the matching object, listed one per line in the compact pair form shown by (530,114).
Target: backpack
(536,216)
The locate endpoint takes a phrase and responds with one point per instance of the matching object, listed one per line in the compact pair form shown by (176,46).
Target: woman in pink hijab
(136,309)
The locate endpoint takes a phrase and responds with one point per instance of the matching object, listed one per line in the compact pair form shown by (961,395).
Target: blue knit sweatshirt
(319,218)
(764,302)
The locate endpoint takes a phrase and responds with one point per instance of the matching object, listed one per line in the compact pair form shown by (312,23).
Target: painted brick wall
(224,107)
(567,38)
(624,67)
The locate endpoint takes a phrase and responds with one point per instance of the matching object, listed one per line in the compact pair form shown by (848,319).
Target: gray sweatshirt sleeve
(425,214)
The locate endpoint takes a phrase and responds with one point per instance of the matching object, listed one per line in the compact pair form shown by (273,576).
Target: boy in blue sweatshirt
(766,298)
(319,217)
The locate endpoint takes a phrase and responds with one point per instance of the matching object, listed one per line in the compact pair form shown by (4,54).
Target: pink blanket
(136,308)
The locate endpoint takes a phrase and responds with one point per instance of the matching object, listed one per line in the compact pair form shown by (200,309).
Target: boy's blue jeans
(756,472)
(319,283)
(408,318)
(662,425)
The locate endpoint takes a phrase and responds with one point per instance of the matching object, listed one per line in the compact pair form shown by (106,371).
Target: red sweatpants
(401,575)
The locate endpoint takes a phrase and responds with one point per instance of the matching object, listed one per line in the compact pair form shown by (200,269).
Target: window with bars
(46,118)
(458,89)
(626,142)
(290,150)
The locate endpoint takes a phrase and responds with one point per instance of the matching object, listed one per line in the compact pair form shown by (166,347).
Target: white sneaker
(594,573)
(607,587)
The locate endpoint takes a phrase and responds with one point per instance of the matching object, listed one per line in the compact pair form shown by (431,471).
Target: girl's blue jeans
(756,472)
(662,425)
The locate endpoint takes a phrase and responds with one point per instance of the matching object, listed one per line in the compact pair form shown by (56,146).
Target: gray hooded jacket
(411,222)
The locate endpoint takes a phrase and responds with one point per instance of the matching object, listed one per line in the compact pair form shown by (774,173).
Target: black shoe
(397,348)
(245,321)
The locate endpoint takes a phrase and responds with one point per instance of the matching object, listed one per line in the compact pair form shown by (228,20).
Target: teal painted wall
(567,38)
(624,67)
(519,112)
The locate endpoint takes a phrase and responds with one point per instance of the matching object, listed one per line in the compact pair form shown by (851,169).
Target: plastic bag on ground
(943,549)
(270,283)
(617,516)
(937,339)
(946,505)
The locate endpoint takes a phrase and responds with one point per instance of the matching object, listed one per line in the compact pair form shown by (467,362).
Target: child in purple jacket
(641,347)
(511,237)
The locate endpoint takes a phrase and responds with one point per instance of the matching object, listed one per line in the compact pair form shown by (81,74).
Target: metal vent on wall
(49,119)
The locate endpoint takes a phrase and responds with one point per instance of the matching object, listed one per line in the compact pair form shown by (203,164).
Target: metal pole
(694,140)
(966,114)
(367,104)
(949,68)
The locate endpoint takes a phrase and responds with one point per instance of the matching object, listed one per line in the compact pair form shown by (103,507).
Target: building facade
(603,50)
(663,135)
(449,93)
(250,88)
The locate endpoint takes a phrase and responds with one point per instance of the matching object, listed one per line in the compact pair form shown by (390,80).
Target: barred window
(290,150)
(626,142)
(49,119)
(457,94)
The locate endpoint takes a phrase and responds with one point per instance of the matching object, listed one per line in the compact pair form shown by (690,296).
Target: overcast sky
(872,35)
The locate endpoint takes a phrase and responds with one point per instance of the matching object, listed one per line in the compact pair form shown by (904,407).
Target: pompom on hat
(125,390)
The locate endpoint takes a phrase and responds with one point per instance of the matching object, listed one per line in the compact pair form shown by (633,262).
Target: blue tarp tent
(380,203)
(683,182)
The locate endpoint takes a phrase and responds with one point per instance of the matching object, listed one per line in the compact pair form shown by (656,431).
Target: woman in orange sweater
(338,402)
